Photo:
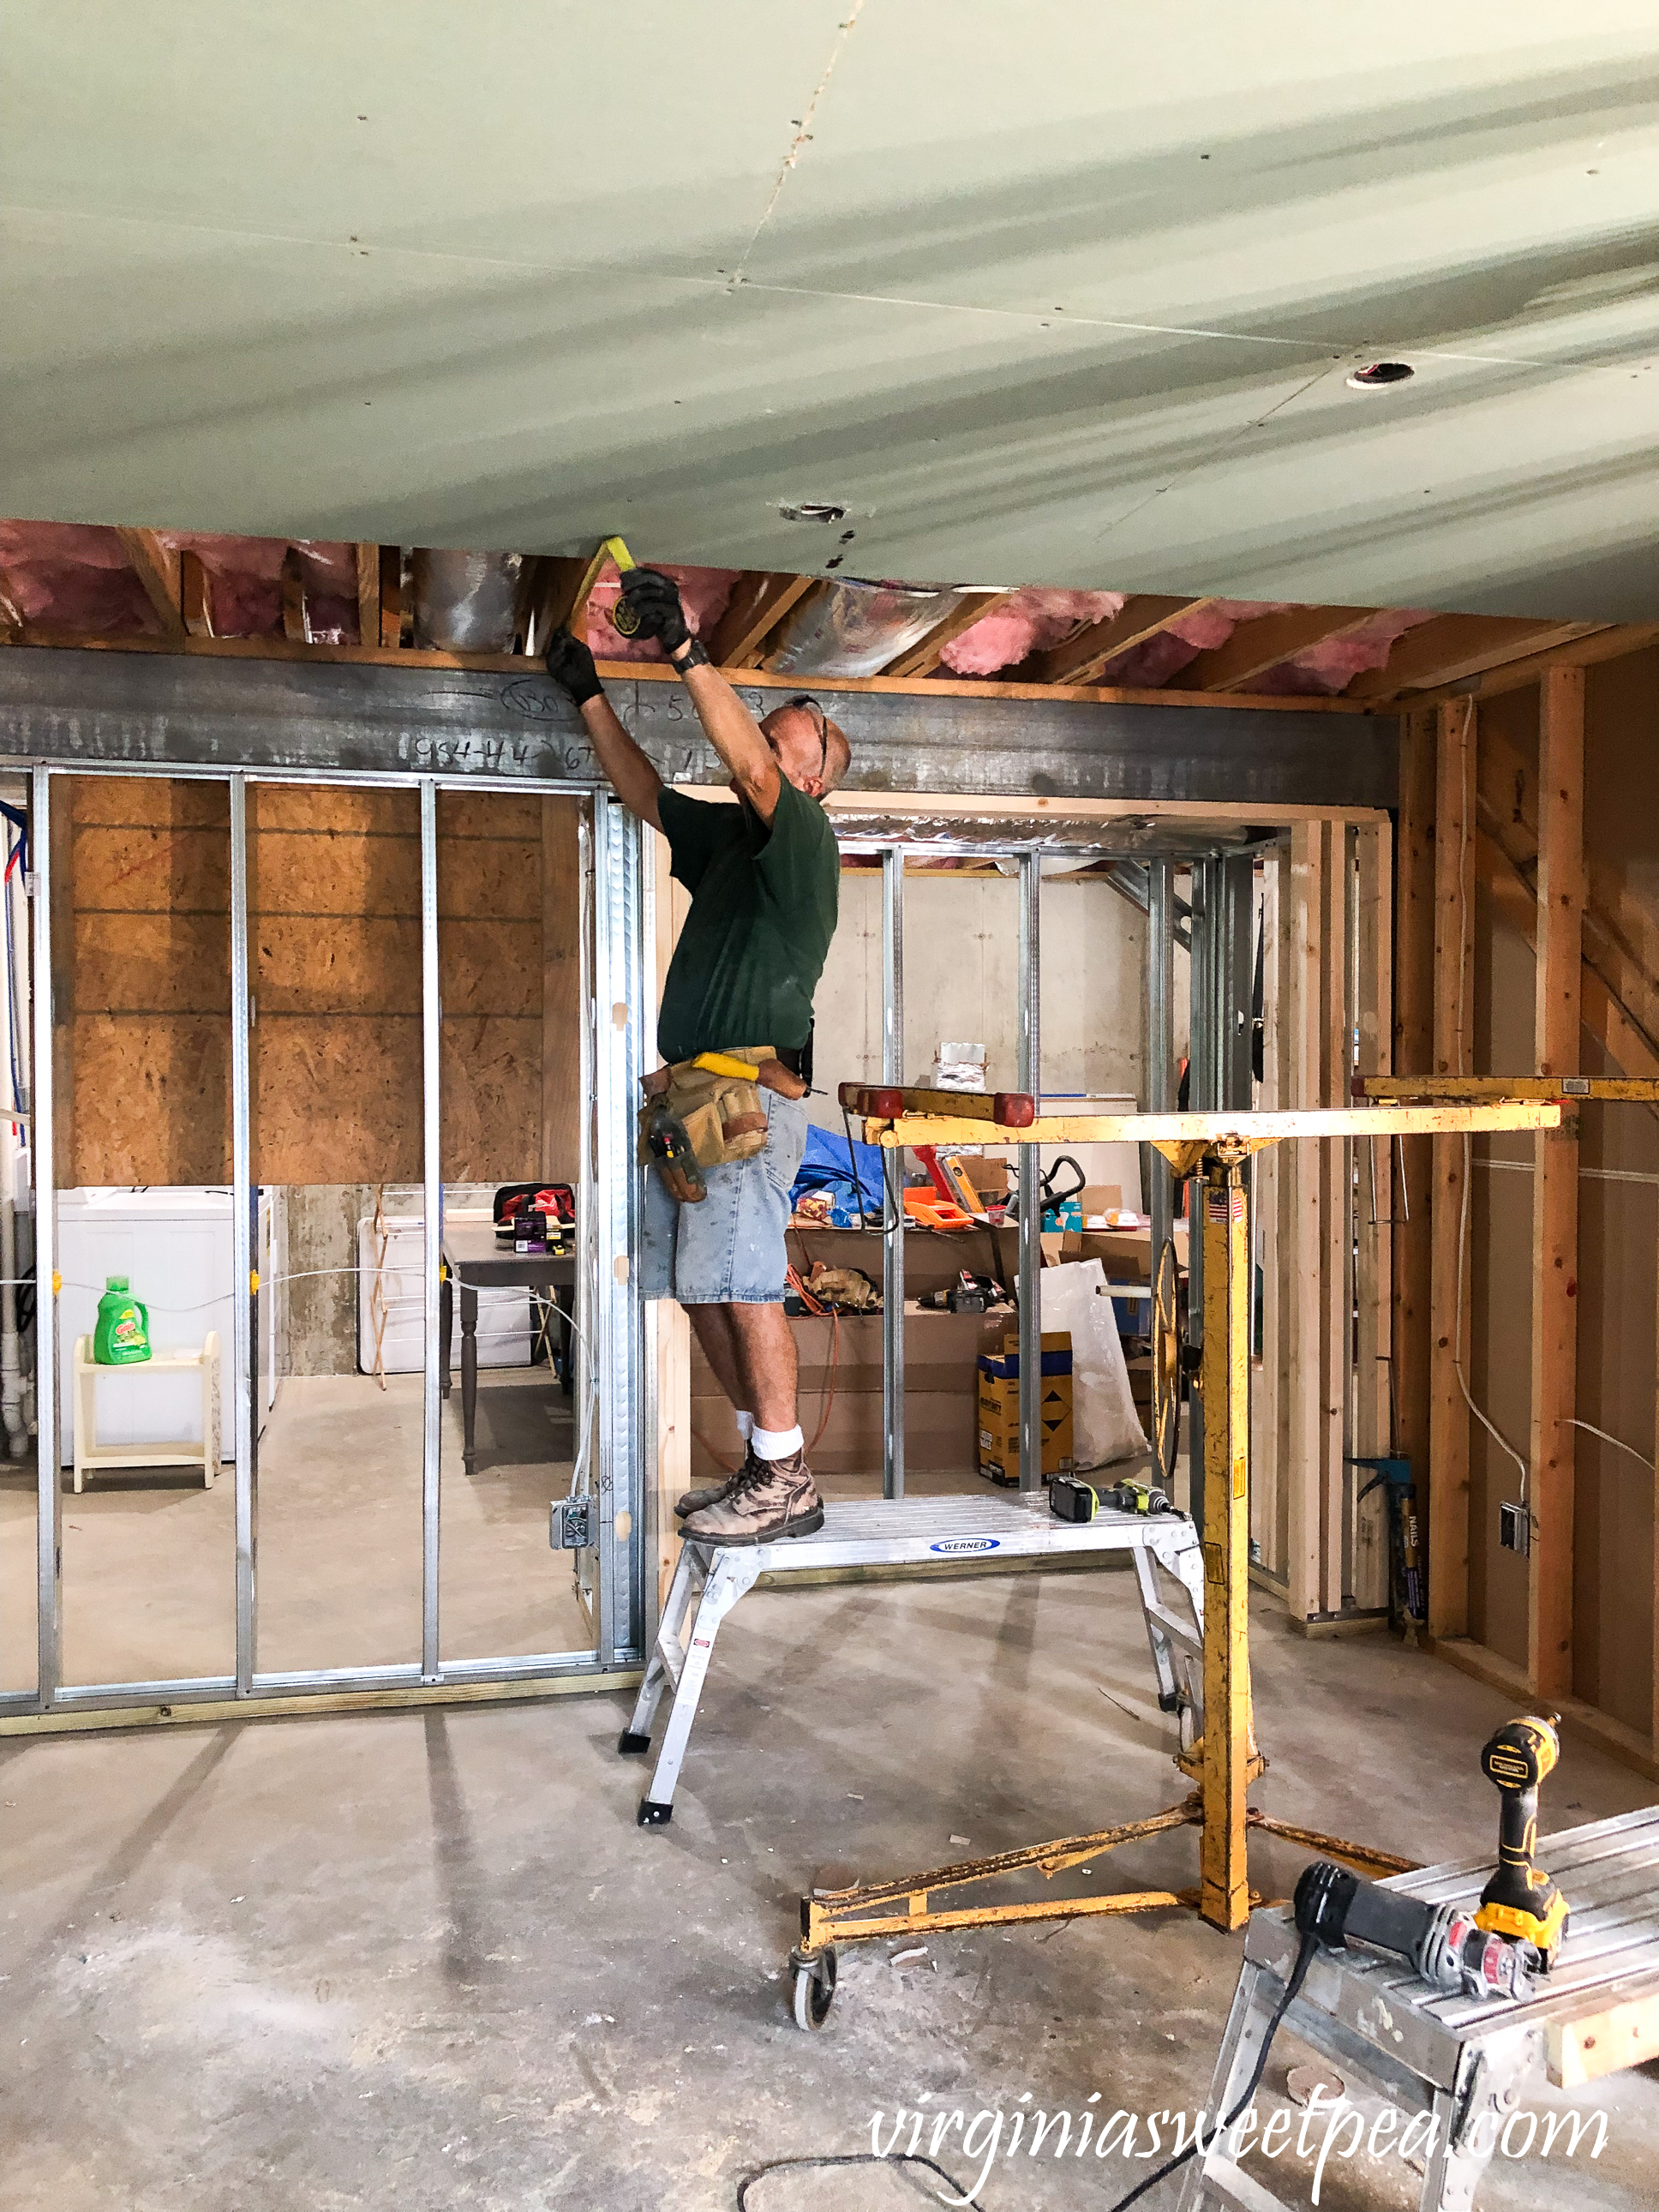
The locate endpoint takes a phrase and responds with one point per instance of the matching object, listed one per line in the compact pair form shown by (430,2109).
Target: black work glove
(570,665)
(654,601)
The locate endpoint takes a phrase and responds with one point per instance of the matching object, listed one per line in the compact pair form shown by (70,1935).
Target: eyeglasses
(805,699)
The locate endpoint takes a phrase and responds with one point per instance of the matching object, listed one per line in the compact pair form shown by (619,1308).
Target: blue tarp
(826,1165)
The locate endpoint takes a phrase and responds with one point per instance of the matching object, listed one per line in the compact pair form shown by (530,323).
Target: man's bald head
(811,751)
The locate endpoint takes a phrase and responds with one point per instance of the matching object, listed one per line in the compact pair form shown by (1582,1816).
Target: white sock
(777,1443)
(745,1426)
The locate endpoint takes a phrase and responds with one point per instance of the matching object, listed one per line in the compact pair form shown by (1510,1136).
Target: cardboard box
(999,1407)
(991,1178)
(841,1377)
(1126,1254)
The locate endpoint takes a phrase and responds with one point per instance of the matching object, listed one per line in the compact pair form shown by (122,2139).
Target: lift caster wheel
(814,1981)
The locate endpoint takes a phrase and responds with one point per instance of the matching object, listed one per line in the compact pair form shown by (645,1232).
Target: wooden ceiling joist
(1610,642)
(760,599)
(923,658)
(1080,660)
(1256,646)
(1452,647)
(156,566)
(368,593)
(195,594)
(296,626)
(390,596)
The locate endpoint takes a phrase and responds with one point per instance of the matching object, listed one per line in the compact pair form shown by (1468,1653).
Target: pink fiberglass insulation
(1329,668)
(1151,665)
(246,575)
(703,595)
(1026,624)
(75,576)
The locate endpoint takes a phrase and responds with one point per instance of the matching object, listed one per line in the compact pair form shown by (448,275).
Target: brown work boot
(771,1497)
(711,1493)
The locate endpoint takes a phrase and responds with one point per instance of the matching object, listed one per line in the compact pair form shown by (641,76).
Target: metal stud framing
(892,1256)
(244,1201)
(432,1218)
(1030,1176)
(609,1311)
(48,1530)
(619,1311)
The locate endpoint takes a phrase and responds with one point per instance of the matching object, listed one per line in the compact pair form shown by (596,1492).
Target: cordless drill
(1520,1901)
(1073,1498)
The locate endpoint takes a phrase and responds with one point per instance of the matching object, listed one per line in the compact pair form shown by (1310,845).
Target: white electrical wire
(1617,1442)
(1493,1430)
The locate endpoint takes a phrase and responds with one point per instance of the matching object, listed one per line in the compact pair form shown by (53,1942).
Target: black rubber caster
(653,1816)
(632,1746)
(814,1985)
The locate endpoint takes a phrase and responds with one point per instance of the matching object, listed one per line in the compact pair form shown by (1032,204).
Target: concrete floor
(428,1960)
(149,1555)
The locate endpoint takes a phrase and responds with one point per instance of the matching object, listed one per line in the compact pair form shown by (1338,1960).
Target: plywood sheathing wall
(1603,1562)
(140,942)
(143,983)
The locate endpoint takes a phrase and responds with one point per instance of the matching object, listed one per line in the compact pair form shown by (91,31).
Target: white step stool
(92,1458)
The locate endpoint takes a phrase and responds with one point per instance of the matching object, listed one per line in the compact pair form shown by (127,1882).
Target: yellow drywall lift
(1209,1150)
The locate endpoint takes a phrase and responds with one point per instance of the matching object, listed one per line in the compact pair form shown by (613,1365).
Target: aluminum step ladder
(937,1533)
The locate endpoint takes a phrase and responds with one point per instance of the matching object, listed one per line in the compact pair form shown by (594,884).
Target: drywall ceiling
(1056,294)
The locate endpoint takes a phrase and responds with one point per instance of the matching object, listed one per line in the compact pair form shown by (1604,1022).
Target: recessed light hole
(1377,374)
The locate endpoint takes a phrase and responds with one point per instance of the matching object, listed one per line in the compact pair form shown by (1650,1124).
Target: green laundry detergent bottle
(121,1336)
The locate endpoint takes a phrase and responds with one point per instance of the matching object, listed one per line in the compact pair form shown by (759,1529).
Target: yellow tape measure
(624,620)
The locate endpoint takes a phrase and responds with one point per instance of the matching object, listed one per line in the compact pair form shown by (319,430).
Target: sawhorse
(1457,2065)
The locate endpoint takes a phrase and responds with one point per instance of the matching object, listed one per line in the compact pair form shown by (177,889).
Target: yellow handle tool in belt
(723,1063)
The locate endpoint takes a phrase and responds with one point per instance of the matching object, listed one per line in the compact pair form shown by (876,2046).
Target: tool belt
(716,1098)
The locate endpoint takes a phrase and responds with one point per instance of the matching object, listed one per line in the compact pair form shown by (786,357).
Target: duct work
(467,602)
(860,830)
(69,580)
(855,629)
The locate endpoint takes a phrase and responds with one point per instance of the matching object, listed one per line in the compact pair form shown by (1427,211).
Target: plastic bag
(1105,1421)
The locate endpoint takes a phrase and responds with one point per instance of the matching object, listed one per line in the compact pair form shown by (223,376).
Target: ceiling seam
(1107,323)
(356,251)
(1222,446)
(802,137)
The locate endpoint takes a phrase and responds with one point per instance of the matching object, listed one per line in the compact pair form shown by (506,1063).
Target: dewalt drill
(1520,1901)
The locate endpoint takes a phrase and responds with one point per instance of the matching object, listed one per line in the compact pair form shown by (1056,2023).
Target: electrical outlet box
(1515,1529)
(572,1524)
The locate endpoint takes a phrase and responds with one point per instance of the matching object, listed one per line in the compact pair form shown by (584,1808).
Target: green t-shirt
(763,907)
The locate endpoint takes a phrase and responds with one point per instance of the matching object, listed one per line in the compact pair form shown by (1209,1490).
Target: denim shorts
(729,1250)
